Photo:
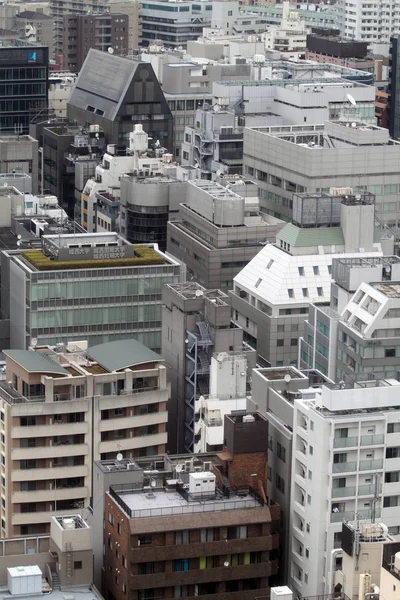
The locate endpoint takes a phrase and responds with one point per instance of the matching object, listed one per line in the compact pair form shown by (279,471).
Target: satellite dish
(351,100)
(287,378)
(226,564)
(19,236)
(19,243)
(220,357)
(354,124)
(110,50)
(34,342)
(216,108)
(179,468)
(153,483)
(119,456)
(199,293)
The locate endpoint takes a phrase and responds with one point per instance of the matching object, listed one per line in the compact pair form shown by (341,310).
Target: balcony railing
(372,440)
(343,492)
(344,467)
(338,517)
(367,490)
(345,442)
(370,465)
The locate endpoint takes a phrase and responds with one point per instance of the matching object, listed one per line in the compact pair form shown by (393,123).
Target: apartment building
(132,10)
(62,291)
(390,572)
(219,230)
(393,87)
(36,27)
(349,347)
(174,24)
(314,158)
(167,546)
(272,294)
(101,32)
(346,441)
(195,326)
(65,406)
(290,36)
(59,8)
(373,23)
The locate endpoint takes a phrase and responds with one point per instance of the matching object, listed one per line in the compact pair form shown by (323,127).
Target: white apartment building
(228,376)
(373,22)
(290,36)
(345,466)
(65,406)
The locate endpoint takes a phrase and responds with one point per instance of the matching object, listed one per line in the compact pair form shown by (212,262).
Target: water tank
(68,523)
(138,139)
(24,580)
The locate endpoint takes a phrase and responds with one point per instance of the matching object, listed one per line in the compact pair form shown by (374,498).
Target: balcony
(39,517)
(49,474)
(217,548)
(371,465)
(343,492)
(49,451)
(50,495)
(342,516)
(345,467)
(198,576)
(367,490)
(373,440)
(129,422)
(345,442)
(57,428)
(133,443)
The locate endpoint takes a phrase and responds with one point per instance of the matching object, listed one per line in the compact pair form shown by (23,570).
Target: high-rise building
(106,32)
(59,8)
(64,407)
(394,88)
(196,325)
(23,83)
(204,530)
(93,286)
(373,23)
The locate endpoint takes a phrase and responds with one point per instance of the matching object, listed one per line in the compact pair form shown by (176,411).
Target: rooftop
(192,290)
(34,362)
(80,592)
(115,356)
(33,16)
(390,289)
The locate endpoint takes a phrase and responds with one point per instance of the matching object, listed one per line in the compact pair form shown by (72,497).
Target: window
(309,474)
(320,291)
(182,537)
(279,342)
(290,293)
(312,425)
(307,553)
(144,540)
(393,428)
(146,568)
(308,499)
(281,452)
(237,533)
(280,483)
(311,450)
(293,342)
(308,527)
(392,476)
(181,564)
(390,501)
(301,271)
(207,535)
(305,292)
(390,352)
(281,328)
(124,562)
(77,564)
(393,452)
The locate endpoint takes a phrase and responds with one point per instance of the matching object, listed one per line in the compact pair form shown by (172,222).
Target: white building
(227,394)
(373,22)
(345,466)
(60,87)
(290,36)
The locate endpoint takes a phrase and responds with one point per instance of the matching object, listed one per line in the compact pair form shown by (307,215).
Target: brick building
(158,543)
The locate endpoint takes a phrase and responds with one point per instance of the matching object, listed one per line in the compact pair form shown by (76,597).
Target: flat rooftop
(80,592)
(193,290)
(157,503)
(390,289)
(216,190)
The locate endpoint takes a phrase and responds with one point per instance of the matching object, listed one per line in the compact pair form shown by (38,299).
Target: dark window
(77,564)
(144,539)
(390,352)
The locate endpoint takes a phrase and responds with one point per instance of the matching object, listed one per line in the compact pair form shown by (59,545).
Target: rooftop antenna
(350,98)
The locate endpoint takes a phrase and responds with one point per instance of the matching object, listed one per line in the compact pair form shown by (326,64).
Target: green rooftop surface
(315,236)
(34,362)
(122,354)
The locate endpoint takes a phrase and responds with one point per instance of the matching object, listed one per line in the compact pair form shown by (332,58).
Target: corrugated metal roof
(122,354)
(35,362)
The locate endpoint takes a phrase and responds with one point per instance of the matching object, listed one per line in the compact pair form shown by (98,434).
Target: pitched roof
(122,354)
(102,82)
(33,16)
(35,362)
(315,236)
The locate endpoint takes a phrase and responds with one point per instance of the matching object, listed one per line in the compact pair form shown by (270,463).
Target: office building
(60,87)
(335,50)
(327,18)
(174,25)
(91,269)
(19,155)
(59,8)
(219,230)
(195,326)
(36,27)
(345,449)
(349,348)
(290,36)
(172,548)
(24,82)
(272,294)
(65,406)
(105,32)
(314,158)
(115,93)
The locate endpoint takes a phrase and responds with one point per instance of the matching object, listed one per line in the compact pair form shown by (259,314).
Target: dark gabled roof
(103,82)
(33,15)
(122,354)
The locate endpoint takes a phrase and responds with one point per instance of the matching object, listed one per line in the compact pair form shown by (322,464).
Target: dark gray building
(116,93)
(394,87)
